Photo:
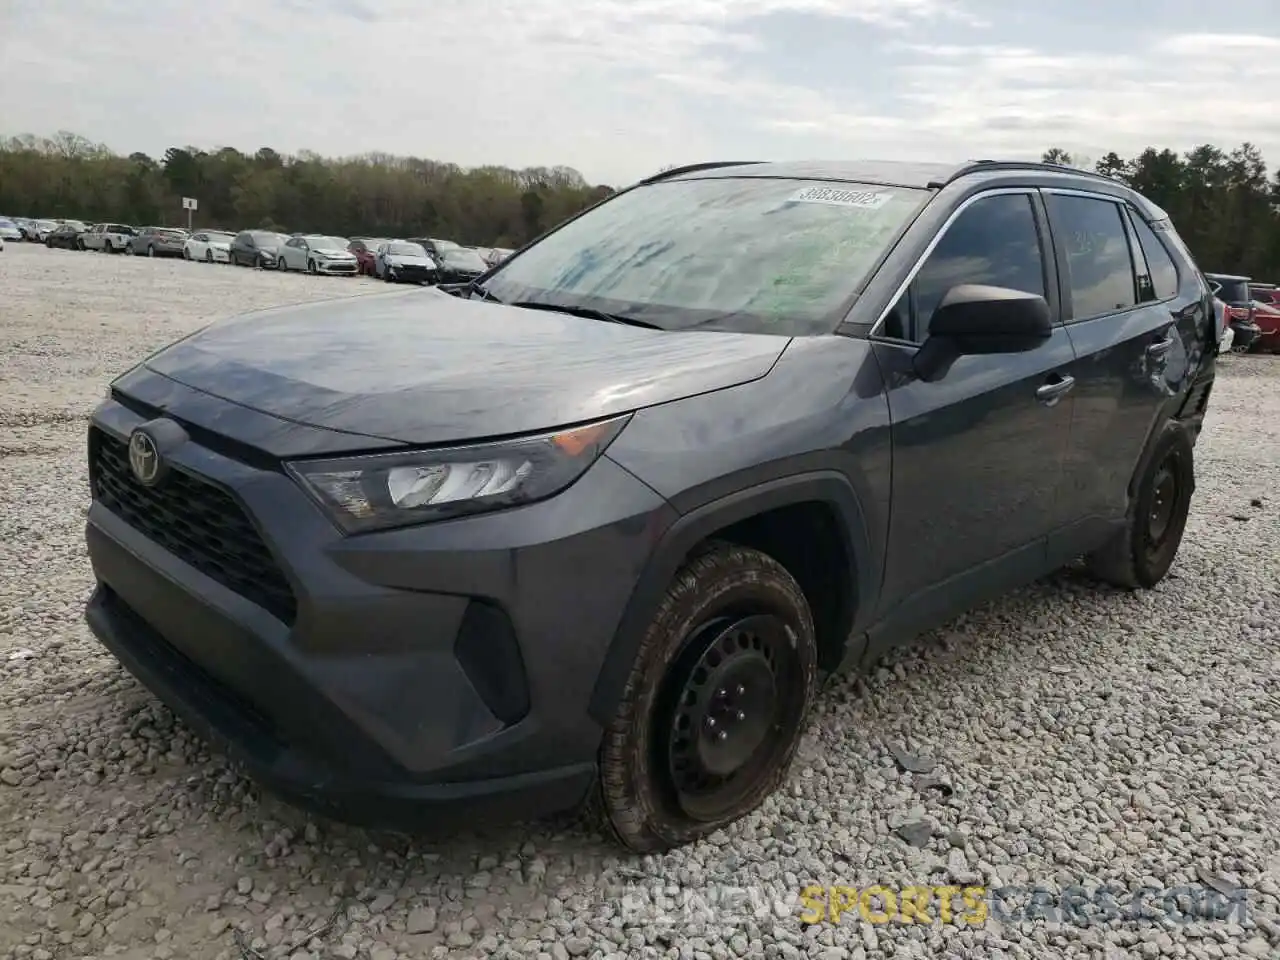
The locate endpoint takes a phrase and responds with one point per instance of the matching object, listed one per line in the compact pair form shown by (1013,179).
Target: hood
(398,260)
(424,367)
(337,253)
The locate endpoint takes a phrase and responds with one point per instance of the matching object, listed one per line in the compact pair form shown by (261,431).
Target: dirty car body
(430,544)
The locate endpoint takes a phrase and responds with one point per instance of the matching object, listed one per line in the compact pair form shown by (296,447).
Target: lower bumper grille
(199,523)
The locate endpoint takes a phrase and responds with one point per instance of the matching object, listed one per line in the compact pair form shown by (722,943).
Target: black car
(66,235)
(1234,292)
(434,245)
(399,261)
(459,264)
(594,527)
(256,248)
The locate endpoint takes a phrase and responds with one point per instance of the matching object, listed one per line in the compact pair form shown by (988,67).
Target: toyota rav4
(591,526)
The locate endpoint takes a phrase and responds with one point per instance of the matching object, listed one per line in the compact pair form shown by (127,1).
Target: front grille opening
(199,523)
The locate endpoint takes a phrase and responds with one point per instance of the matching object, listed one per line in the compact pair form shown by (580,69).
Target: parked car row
(414,260)
(1252,311)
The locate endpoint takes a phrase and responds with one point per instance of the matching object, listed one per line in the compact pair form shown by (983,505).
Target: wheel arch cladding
(811,523)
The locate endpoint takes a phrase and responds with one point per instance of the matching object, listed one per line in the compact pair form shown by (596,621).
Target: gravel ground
(1077,735)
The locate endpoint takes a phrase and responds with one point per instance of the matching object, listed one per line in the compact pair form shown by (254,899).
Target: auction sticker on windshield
(863,199)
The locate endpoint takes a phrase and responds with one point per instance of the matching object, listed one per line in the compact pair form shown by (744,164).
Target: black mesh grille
(197,522)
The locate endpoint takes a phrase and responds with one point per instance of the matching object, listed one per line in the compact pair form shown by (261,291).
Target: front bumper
(344,267)
(408,274)
(427,676)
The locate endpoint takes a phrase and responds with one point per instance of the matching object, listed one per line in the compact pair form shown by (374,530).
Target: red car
(1266,314)
(365,248)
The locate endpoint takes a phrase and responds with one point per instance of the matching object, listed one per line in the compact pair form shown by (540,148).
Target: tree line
(372,195)
(1222,202)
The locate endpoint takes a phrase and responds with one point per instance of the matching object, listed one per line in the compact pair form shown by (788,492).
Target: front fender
(674,546)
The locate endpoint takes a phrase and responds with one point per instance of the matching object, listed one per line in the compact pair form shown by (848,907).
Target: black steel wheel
(715,704)
(1141,553)
(729,713)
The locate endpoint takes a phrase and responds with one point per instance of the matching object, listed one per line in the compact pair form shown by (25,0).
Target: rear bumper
(427,675)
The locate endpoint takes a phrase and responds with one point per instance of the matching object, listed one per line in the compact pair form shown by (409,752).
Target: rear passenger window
(993,242)
(1099,265)
(1164,275)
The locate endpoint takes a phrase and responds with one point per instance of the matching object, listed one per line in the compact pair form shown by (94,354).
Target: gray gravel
(1066,734)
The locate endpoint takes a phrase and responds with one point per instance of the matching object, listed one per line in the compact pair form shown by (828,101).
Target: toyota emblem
(144,458)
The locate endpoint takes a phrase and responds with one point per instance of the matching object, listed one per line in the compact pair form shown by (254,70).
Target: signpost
(189,204)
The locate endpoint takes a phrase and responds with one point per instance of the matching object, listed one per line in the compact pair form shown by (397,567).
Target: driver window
(993,242)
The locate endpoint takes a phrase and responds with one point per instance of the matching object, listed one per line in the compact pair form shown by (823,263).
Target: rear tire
(151,250)
(1140,554)
(715,705)
(311,267)
(208,256)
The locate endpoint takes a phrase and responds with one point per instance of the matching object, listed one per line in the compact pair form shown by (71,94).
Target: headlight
(397,489)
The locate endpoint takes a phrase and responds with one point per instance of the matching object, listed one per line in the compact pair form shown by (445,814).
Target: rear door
(1136,340)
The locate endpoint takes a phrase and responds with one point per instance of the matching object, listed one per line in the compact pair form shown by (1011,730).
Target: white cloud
(617,88)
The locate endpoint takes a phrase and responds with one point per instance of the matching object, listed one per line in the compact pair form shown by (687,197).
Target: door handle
(1160,347)
(1053,391)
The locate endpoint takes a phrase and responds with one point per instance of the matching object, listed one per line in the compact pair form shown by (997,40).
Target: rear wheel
(1140,554)
(151,250)
(208,256)
(311,266)
(715,704)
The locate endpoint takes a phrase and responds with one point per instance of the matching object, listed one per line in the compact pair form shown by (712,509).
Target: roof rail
(973,166)
(695,168)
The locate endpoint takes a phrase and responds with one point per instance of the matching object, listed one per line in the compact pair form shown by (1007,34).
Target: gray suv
(591,526)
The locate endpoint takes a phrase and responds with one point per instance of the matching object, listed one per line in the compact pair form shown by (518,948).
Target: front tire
(716,702)
(311,267)
(151,251)
(1140,554)
(208,256)
(281,265)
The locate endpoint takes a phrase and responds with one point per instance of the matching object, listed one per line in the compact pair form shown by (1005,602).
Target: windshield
(6,223)
(45,224)
(742,254)
(75,225)
(171,234)
(457,256)
(406,250)
(327,243)
(1231,291)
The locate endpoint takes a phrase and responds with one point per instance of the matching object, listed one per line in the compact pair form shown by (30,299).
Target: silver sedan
(316,253)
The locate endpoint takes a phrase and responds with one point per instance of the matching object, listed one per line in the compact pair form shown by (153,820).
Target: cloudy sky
(620,88)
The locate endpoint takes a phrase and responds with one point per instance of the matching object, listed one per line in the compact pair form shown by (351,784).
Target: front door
(978,454)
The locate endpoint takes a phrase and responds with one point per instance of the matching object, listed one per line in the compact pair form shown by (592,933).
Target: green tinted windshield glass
(759,255)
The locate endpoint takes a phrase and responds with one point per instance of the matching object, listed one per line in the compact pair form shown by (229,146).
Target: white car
(211,246)
(315,253)
(9,230)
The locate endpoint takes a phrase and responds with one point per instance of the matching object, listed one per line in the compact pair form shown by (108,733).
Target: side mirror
(974,319)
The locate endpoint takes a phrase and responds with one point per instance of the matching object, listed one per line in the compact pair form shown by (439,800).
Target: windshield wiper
(587,312)
(474,287)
